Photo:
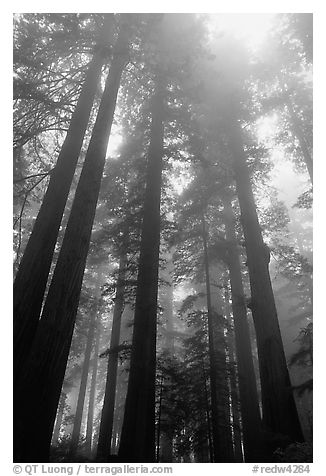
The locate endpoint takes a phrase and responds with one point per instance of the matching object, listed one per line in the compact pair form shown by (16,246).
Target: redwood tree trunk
(279,410)
(82,389)
(106,425)
(32,275)
(226,452)
(92,392)
(221,427)
(208,417)
(37,394)
(138,430)
(234,390)
(251,420)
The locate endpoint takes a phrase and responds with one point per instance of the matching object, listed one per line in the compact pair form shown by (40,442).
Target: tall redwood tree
(32,275)
(279,409)
(138,430)
(38,390)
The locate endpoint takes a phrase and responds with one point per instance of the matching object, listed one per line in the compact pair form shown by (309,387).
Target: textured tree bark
(279,410)
(92,393)
(106,425)
(221,426)
(31,279)
(251,420)
(82,388)
(138,430)
(44,372)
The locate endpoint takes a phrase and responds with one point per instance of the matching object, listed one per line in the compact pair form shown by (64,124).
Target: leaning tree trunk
(43,375)
(92,393)
(249,404)
(221,428)
(106,425)
(138,430)
(32,275)
(279,409)
(83,385)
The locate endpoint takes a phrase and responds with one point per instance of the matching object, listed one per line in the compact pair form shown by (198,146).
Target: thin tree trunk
(138,431)
(235,412)
(208,418)
(251,420)
(122,383)
(221,428)
(83,385)
(44,373)
(237,439)
(279,410)
(31,278)
(106,425)
(223,394)
(159,421)
(92,393)
(165,440)
(59,418)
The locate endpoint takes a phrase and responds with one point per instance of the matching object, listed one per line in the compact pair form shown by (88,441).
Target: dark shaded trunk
(208,418)
(32,275)
(251,420)
(82,388)
(279,410)
(221,427)
(43,375)
(236,416)
(92,393)
(59,418)
(106,425)
(138,430)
